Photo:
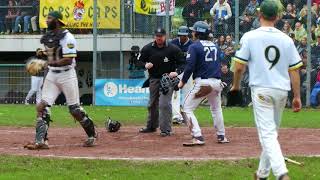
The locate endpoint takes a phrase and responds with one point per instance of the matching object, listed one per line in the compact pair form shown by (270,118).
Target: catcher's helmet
(183,31)
(201,27)
(112,126)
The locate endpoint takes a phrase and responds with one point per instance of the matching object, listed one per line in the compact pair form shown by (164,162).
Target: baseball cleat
(196,141)
(90,142)
(178,120)
(147,130)
(284,177)
(36,146)
(255,176)
(165,134)
(222,139)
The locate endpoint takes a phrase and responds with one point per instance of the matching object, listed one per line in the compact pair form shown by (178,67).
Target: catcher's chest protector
(51,41)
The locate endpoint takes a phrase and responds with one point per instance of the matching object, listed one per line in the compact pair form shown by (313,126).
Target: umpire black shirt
(165,60)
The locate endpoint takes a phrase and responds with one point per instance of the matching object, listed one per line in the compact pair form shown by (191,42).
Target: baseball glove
(234,98)
(112,126)
(35,66)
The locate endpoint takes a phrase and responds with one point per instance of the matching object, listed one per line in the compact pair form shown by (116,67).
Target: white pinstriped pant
(214,99)
(176,98)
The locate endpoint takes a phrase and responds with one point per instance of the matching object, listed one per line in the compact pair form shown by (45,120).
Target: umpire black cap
(160,32)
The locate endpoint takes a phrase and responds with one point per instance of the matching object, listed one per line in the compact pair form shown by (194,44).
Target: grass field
(17,167)
(13,167)
(20,115)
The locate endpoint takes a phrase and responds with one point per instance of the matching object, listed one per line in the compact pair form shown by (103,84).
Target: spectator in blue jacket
(221,12)
(315,94)
(25,17)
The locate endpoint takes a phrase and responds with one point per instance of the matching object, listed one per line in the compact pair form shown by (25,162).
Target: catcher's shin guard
(88,126)
(43,123)
(41,130)
(47,117)
(80,115)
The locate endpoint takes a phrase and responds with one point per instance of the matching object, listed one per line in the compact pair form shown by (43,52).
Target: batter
(204,63)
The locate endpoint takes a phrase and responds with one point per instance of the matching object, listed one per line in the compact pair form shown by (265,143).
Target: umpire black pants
(159,108)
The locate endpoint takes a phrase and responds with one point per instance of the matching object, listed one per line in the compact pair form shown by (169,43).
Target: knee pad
(77,112)
(42,109)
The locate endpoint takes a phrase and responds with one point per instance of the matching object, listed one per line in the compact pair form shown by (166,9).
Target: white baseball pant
(176,98)
(268,105)
(214,99)
(36,83)
(65,82)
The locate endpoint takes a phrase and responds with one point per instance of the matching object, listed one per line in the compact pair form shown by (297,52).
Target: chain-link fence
(229,20)
(14,83)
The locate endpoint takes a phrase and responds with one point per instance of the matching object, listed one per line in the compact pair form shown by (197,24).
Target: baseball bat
(293,161)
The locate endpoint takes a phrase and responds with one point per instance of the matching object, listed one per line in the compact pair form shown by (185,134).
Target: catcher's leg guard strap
(80,115)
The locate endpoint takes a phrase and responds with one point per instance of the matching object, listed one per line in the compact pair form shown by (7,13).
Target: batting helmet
(183,31)
(201,27)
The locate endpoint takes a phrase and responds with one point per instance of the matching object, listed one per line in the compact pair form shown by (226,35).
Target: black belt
(60,71)
(211,77)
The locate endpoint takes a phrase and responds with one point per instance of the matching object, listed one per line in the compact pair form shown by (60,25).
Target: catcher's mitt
(34,66)
(234,98)
(166,82)
(112,126)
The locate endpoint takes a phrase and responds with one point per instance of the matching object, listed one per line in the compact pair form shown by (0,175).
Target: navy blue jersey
(184,47)
(203,61)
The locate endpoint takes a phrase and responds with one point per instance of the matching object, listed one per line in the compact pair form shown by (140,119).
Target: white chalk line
(109,158)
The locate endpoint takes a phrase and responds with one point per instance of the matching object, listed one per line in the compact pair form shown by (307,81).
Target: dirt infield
(129,144)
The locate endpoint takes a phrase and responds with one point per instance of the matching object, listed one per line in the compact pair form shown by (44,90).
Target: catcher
(61,52)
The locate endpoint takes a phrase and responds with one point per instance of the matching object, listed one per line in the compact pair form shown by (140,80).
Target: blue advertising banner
(121,92)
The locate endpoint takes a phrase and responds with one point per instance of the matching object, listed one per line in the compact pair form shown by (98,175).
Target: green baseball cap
(271,8)
(57,15)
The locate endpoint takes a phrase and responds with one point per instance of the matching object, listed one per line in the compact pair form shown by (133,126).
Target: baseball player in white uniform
(183,42)
(61,51)
(36,82)
(272,59)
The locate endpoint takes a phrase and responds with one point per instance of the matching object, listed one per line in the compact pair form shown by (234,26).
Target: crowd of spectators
(220,15)
(20,16)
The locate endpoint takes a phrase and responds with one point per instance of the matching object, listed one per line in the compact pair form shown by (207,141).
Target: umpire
(160,57)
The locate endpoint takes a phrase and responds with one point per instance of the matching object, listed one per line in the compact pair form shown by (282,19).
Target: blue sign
(121,92)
